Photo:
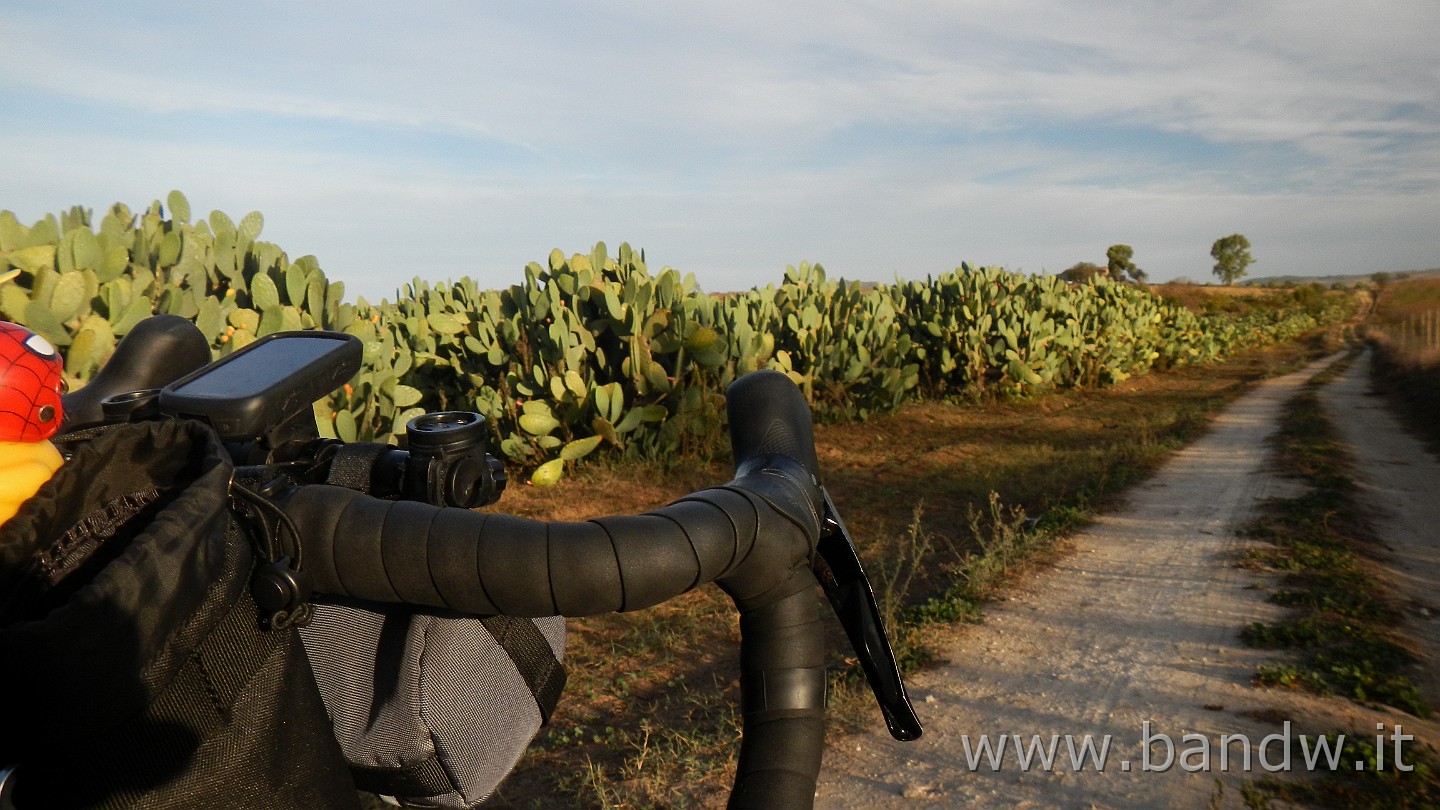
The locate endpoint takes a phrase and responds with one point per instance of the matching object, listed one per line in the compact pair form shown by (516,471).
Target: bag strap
(352,466)
(426,777)
(533,657)
(544,676)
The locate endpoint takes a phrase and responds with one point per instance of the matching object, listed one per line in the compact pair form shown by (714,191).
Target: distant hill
(1347,280)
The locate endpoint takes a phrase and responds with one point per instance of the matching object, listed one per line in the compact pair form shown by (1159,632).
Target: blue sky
(449,139)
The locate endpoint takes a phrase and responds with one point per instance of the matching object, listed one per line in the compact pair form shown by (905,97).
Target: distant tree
(1381,279)
(1232,255)
(1121,264)
(1082,272)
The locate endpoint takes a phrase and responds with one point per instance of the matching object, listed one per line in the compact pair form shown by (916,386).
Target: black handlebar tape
(782,682)
(769,416)
(158,351)
(755,536)
(749,534)
(782,652)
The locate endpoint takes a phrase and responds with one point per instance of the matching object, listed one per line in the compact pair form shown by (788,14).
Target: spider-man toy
(31,381)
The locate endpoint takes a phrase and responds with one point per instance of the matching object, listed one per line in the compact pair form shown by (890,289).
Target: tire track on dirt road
(1138,624)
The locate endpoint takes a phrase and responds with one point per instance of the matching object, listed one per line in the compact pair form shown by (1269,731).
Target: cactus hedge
(594,349)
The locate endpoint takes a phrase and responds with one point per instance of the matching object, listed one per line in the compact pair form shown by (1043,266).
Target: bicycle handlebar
(782,650)
(755,537)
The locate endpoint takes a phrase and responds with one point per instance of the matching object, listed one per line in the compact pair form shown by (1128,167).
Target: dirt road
(1135,634)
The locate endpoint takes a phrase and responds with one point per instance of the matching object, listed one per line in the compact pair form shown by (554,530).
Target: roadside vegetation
(1340,633)
(949,504)
(599,355)
(1405,332)
(1322,545)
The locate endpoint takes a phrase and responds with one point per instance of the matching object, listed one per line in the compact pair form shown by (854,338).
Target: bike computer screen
(262,385)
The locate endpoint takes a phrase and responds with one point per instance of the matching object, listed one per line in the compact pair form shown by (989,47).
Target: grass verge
(1380,783)
(1322,548)
(1405,334)
(1322,545)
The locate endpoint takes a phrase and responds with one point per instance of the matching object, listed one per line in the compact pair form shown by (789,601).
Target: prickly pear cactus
(595,352)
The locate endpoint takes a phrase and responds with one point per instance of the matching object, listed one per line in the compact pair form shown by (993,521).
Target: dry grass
(1212,300)
(1406,335)
(1185,291)
(1410,297)
(1407,322)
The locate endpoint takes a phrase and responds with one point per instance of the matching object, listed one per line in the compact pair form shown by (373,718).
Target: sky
(882,140)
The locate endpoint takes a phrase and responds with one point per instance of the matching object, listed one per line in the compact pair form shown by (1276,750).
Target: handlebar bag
(135,671)
(433,708)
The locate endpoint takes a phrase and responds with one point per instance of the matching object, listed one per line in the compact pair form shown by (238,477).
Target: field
(1406,333)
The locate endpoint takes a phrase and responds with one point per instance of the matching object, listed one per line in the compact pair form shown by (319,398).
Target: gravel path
(1138,624)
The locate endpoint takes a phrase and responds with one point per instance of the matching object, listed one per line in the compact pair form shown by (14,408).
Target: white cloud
(445,139)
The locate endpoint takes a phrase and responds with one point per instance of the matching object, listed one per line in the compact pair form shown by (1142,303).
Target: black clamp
(279,585)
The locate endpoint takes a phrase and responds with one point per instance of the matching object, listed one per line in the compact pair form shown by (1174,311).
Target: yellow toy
(31,382)
(24,466)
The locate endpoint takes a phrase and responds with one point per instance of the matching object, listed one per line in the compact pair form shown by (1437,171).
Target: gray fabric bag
(433,708)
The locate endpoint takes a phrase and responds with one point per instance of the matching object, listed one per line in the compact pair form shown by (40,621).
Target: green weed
(1381,782)
(1342,619)
(1320,540)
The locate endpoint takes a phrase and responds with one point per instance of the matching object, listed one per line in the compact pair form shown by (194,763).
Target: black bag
(134,668)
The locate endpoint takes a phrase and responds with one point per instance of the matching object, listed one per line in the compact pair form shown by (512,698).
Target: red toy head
(31,382)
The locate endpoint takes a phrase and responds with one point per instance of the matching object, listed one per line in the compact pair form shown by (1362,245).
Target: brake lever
(837,566)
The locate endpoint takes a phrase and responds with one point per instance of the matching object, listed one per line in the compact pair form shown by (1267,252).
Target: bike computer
(259,387)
